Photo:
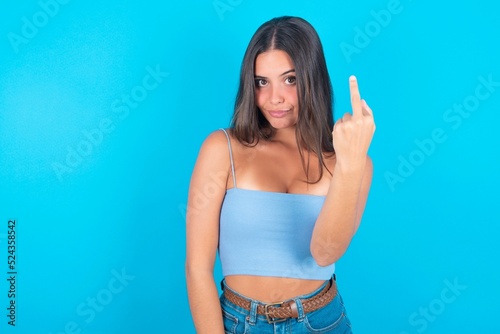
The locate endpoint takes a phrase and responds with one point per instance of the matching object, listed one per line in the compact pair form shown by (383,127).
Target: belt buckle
(268,317)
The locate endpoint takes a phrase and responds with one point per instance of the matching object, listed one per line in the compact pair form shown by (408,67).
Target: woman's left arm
(345,202)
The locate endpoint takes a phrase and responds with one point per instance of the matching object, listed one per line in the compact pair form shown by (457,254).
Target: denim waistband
(252,313)
(223,286)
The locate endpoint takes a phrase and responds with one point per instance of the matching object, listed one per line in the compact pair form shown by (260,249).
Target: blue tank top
(267,233)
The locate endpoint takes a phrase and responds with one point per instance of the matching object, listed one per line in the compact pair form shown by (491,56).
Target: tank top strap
(230,156)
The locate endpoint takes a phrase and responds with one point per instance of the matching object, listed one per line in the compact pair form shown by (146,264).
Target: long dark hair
(314,126)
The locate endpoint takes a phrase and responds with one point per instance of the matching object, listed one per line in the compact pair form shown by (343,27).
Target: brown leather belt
(276,312)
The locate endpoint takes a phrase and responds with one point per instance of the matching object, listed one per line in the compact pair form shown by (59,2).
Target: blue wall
(103,107)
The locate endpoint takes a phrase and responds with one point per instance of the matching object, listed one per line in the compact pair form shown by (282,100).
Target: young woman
(279,194)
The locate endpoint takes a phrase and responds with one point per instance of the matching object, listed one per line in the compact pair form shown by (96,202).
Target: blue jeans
(331,318)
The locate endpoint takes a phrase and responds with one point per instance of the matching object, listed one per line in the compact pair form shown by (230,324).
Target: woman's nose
(276,95)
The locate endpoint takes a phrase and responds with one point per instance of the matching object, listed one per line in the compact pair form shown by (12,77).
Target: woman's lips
(278,113)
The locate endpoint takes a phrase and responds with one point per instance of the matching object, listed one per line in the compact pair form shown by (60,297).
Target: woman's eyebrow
(282,74)
(289,71)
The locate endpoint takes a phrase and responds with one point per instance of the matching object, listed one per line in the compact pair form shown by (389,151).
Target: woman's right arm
(206,193)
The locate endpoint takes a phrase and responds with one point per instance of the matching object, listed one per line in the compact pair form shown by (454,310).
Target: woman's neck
(285,136)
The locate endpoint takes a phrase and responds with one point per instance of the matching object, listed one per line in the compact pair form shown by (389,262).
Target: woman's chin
(281,125)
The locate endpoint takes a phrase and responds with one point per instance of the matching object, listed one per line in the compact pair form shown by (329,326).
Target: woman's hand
(345,202)
(352,134)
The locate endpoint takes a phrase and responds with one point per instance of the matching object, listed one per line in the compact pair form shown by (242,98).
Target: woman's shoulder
(213,157)
(215,144)
(225,139)
(217,138)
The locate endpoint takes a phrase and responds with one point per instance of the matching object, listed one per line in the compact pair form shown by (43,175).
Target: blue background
(118,211)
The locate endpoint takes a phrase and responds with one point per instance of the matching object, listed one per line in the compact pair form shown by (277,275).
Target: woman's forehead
(273,62)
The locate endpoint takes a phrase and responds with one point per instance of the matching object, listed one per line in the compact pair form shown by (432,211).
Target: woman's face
(276,89)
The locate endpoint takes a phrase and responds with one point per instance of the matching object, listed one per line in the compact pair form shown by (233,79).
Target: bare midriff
(271,289)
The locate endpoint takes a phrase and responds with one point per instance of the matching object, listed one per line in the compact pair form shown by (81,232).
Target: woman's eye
(291,80)
(260,82)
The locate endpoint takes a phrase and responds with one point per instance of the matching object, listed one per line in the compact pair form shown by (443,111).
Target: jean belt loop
(300,309)
(222,285)
(253,312)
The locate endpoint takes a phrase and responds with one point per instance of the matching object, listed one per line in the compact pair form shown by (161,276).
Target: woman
(279,194)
